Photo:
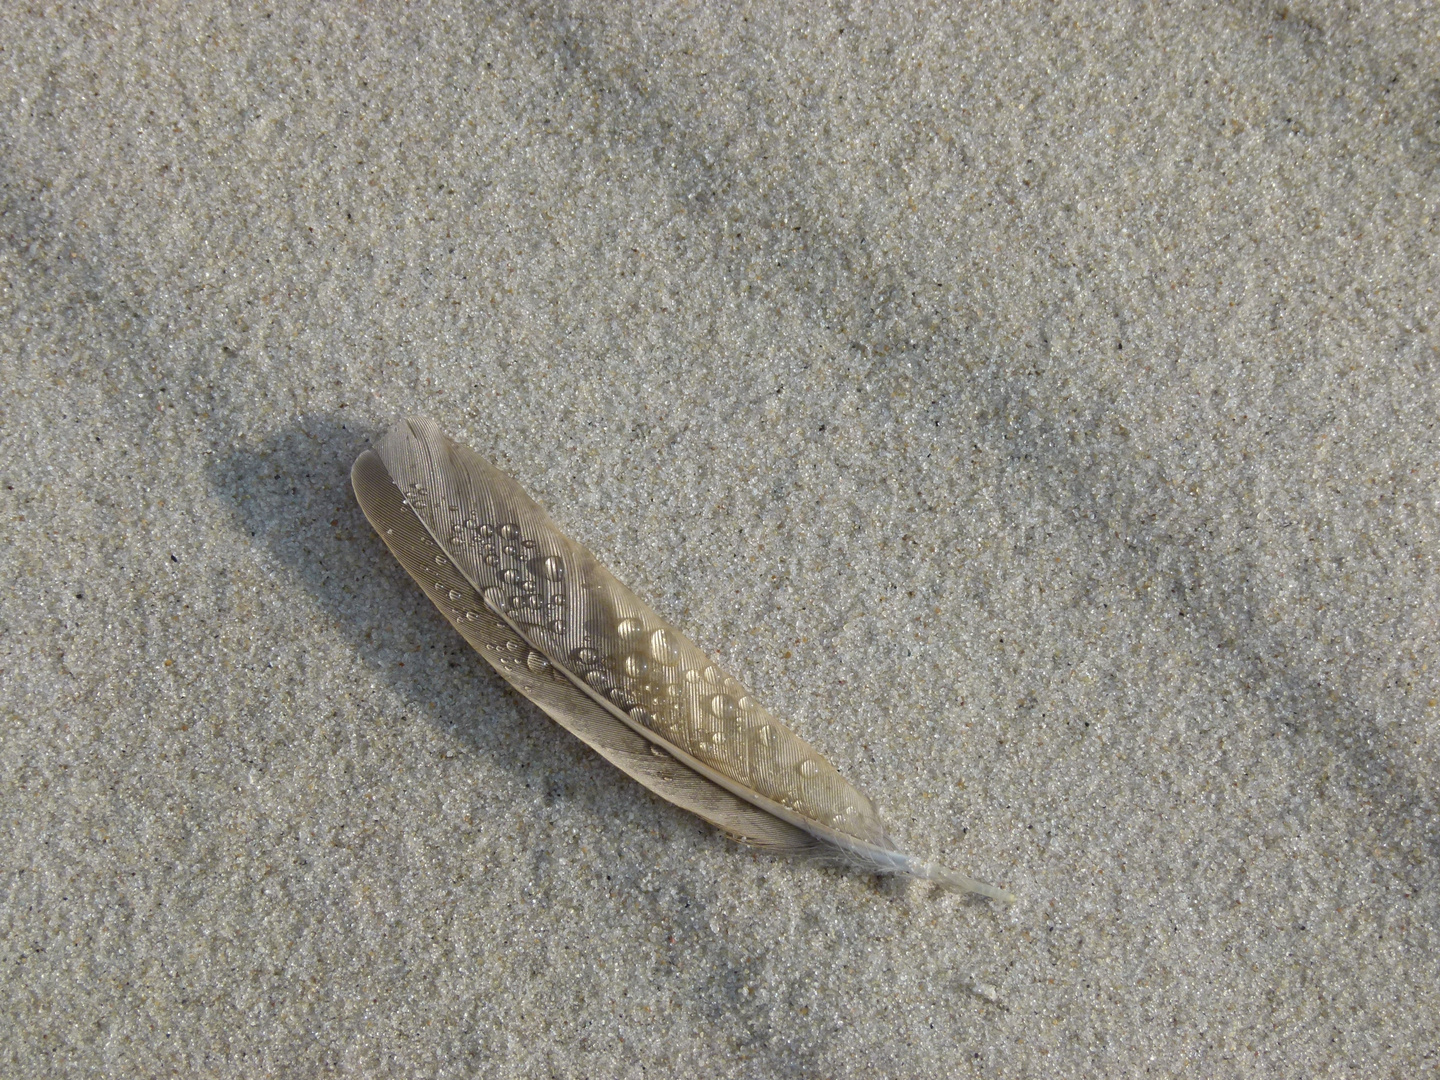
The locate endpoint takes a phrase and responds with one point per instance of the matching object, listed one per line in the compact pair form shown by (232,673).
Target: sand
(1035,406)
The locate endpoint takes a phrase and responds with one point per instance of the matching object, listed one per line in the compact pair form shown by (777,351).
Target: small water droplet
(470,616)
(492,560)
(389,532)
(637,665)
(641,716)
(514,646)
(511,576)
(629,628)
(765,734)
(586,656)
(558,626)
(622,698)
(723,706)
(693,676)
(527,543)
(537,661)
(440,560)
(746,703)
(664,647)
(511,549)
(712,674)
(486,530)
(510,532)
(552,569)
(717,738)
(596,679)
(454,594)
(809,768)
(529,586)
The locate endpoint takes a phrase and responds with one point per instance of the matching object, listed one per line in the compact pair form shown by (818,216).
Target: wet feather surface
(561,629)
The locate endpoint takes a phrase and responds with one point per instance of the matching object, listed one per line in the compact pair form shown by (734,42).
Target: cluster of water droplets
(669,687)
(532,585)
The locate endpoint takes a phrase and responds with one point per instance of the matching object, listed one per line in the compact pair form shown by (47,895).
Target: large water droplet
(664,647)
(809,768)
(552,569)
(637,665)
(723,706)
(630,628)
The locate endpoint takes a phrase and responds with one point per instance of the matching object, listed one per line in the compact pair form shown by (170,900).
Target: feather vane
(602,663)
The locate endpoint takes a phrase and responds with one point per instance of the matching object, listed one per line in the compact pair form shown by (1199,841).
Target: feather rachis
(632,682)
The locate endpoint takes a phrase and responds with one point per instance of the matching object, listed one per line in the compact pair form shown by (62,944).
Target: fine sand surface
(1036,406)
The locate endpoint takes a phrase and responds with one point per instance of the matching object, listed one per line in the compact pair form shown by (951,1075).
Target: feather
(604,665)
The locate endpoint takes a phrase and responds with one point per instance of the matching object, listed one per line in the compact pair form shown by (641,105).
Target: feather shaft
(561,629)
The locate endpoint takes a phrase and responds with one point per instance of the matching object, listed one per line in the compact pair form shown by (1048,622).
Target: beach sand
(1036,406)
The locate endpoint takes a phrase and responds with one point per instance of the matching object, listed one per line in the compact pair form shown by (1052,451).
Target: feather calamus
(604,665)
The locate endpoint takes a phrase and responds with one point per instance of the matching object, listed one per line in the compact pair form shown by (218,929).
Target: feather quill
(598,660)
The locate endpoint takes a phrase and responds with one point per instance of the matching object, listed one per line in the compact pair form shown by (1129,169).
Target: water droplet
(641,716)
(712,674)
(586,656)
(552,569)
(637,665)
(454,594)
(514,646)
(596,679)
(529,586)
(492,560)
(693,676)
(766,735)
(537,661)
(558,599)
(664,647)
(441,561)
(511,576)
(527,543)
(558,626)
(717,738)
(629,628)
(511,549)
(809,768)
(723,706)
(486,530)
(510,532)
(849,810)
(622,698)
(470,616)
(746,703)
